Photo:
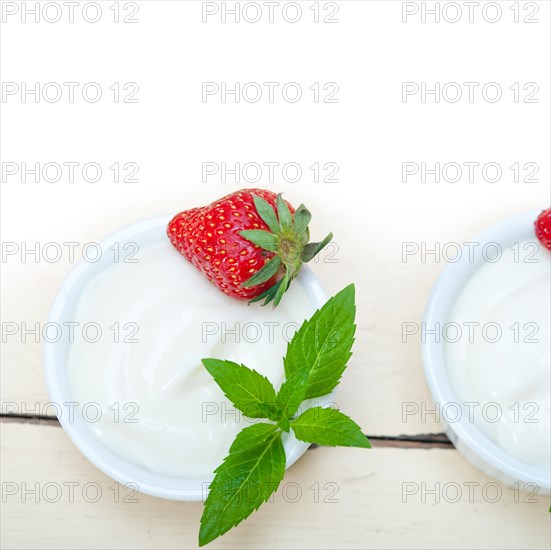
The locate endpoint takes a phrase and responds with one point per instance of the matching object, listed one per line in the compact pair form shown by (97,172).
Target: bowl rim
(81,435)
(443,295)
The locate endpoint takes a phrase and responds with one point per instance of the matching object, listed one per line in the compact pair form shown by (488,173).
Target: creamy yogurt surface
(160,408)
(514,369)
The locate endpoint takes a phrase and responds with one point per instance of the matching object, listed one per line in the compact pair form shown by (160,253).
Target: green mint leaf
(328,427)
(292,391)
(250,473)
(284,424)
(322,345)
(285,217)
(265,274)
(312,249)
(267,213)
(263,239)
(252,393)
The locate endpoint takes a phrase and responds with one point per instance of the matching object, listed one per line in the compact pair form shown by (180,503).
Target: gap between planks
(421,441)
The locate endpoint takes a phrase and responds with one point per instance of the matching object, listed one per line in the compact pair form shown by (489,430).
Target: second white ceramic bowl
(466,437)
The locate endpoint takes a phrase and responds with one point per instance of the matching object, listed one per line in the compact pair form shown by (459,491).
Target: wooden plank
(403,441)
(384,374)
(373,508)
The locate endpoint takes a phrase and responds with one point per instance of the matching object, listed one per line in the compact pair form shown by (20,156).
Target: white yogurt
(513,372)
(182,428)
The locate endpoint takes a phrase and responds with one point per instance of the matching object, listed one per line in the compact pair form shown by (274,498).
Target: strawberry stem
(288,239)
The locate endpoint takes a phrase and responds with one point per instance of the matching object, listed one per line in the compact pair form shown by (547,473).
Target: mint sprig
(248,476)
(328,427)
(322,345)
(292,391)
(315,360)
(250,392)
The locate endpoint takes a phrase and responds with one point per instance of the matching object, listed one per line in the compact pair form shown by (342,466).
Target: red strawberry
(250,244)
(543,228)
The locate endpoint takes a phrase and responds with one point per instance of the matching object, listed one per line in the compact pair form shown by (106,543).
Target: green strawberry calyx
(287,238)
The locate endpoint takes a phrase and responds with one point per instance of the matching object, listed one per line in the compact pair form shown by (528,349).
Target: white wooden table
(381,497)
(331,498)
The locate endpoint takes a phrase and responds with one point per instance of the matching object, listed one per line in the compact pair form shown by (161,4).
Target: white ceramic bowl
(466,437)
(143,233)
